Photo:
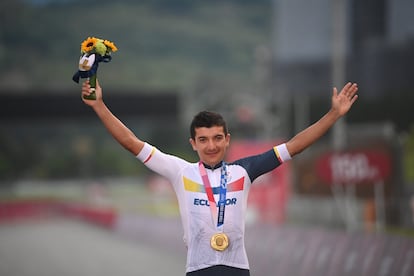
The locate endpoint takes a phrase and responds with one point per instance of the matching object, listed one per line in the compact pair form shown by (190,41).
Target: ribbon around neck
(217,216)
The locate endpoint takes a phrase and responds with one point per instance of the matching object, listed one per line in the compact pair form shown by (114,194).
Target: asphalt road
(60,247)
(152,246)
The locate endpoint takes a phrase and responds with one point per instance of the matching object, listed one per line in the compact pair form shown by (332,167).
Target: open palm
(342,102)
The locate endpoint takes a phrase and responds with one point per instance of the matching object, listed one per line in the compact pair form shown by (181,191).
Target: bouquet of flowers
(93,51)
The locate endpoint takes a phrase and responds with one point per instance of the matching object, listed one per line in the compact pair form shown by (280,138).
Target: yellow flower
(88,44)
(110,45)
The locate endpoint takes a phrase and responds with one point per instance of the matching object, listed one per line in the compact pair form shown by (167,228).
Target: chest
(196,192)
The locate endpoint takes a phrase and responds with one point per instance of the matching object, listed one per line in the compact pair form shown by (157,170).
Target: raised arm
(341,103)
(116,128)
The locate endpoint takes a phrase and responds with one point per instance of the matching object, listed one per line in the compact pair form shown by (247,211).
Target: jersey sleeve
(257,165)
(282,153)
(164,164)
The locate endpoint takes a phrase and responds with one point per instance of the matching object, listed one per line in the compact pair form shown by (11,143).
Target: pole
(339,140)
(338,65)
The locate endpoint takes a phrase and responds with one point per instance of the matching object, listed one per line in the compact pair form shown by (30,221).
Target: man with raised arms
(212,193)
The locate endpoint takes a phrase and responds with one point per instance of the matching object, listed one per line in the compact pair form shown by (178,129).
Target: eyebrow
(214,136)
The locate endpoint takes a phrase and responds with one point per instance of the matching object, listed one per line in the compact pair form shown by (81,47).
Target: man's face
(211,144)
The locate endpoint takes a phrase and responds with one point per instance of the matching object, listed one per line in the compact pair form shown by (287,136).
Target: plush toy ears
(86,62)
(88,65)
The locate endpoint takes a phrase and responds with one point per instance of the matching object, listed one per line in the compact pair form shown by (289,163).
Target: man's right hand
(86,91)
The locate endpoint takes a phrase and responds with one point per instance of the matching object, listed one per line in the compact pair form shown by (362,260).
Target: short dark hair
(207,119)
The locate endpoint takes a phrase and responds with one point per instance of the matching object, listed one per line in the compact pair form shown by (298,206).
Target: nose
(211,145)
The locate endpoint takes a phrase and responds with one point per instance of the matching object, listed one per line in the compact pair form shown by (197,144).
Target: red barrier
(35,209)
(14,210)
(103,216)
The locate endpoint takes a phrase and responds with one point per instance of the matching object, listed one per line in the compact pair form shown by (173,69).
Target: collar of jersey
(218,165)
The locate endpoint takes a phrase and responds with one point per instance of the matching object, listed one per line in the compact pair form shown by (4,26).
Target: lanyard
(216,216)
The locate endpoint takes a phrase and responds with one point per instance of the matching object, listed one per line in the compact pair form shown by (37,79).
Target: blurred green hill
(162,44)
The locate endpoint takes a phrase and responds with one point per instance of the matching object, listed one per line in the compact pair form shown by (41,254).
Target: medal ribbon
(216,216)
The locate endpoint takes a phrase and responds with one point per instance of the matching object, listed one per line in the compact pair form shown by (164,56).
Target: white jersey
(193,203)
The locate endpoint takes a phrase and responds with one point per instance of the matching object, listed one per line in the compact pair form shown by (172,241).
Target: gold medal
(219,241)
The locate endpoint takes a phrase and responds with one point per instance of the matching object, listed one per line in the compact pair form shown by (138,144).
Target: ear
(228,139)
(193,144)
